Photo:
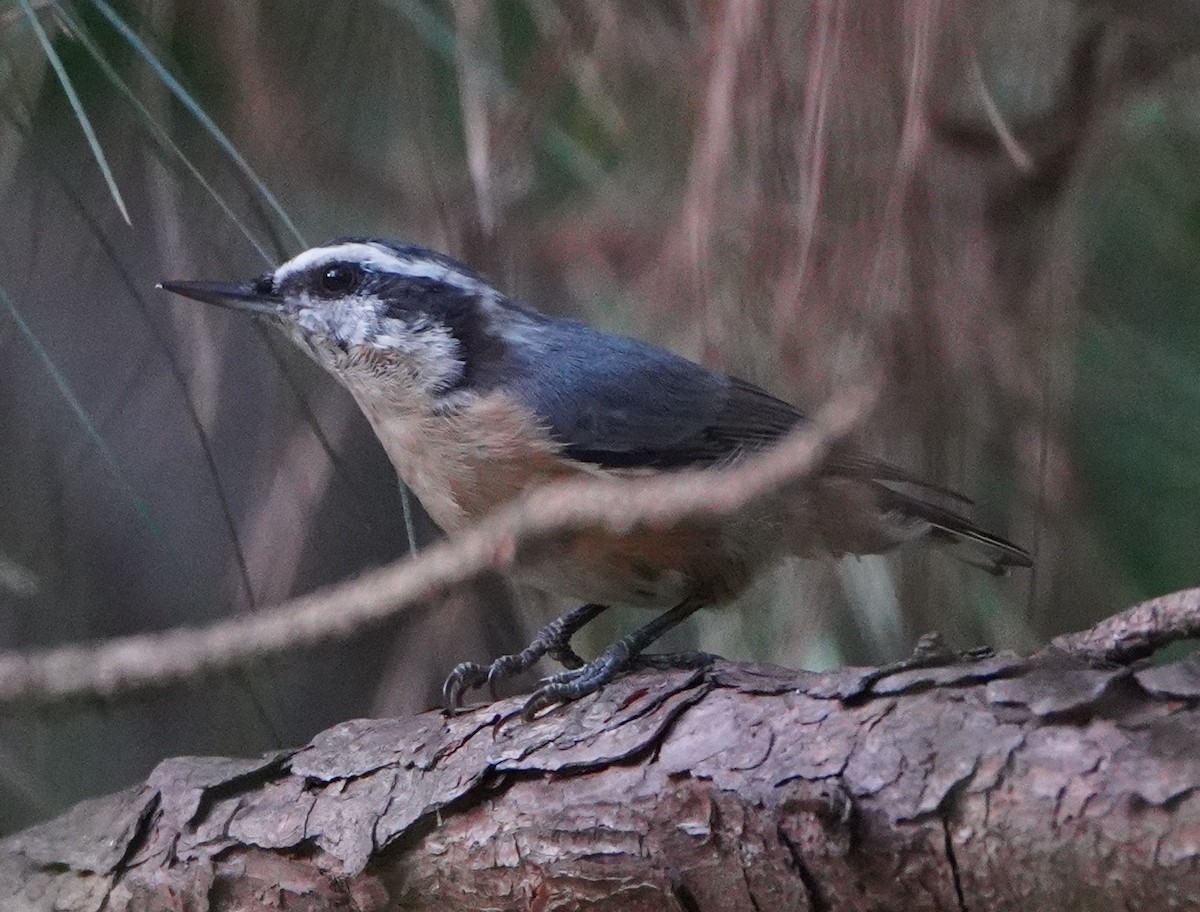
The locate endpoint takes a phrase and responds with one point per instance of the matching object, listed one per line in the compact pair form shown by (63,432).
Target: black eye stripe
(406,295)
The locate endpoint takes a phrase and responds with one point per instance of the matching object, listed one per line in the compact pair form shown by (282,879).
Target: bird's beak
(227,294)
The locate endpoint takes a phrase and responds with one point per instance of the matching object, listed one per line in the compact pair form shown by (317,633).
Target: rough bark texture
(989,784)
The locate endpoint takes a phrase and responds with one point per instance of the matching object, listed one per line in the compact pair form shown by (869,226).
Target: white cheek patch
(352,333)
(427,350)
(349,322)
(374,258)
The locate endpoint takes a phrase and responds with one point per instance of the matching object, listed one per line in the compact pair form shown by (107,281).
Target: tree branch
(993,784)
(1138,631)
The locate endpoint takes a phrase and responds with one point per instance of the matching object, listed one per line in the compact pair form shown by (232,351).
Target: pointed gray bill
(235,296)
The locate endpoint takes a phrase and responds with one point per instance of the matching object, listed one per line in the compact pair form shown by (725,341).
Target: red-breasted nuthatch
(478,398)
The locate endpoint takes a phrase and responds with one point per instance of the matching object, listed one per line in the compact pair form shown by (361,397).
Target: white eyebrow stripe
(375,258)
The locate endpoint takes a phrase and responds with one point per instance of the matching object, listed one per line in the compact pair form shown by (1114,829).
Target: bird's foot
(567,686)
(553,640)
(579,682)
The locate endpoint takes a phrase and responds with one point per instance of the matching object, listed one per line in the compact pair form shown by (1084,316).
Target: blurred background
(994,204)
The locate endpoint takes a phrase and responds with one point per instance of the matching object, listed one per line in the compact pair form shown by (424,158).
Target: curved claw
(504,667)
(579,682)
(586,679)
(465,676)
(565,687)
(544,696)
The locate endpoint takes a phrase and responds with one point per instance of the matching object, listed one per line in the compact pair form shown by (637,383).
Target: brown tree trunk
(987,783)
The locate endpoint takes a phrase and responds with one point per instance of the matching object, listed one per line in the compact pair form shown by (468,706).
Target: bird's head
(387,319)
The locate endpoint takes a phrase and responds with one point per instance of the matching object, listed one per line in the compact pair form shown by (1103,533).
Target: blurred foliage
(1138,421)
(961,200)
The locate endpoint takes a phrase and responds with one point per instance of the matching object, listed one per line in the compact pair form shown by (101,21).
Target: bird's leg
(553,640)
(579,682)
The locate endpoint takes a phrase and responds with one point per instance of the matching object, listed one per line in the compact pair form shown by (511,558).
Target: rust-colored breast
(465,464)
(653,567)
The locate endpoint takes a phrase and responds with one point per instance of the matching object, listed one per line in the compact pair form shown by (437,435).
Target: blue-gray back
(620,402)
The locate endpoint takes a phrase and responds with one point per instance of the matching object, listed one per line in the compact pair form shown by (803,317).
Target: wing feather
(618,402)
(622,403)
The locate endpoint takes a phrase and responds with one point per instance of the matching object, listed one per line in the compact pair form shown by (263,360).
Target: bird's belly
(605,570)
(651,568)
(465,466)
(589,584)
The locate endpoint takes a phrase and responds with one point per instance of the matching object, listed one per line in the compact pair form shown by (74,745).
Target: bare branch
(126,664)
(1138,631)
(998,785)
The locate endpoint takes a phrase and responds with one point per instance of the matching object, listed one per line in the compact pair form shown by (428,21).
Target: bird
(479,399)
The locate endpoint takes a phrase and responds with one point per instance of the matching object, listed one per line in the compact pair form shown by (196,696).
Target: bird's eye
(340,279)
(264,284)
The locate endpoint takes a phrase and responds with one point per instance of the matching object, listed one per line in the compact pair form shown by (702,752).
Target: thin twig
(123,665)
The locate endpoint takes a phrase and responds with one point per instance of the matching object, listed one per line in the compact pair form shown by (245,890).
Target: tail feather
(998,554)
(854,465)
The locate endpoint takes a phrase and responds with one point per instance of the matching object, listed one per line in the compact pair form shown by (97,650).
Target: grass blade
(81,413)
(440,38)
(161,136)
(264,193)
(178,376)
(185,98)
(77,106)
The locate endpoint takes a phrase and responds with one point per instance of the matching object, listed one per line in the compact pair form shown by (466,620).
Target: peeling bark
(990,784)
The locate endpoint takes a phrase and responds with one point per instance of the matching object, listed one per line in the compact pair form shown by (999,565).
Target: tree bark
(988,783)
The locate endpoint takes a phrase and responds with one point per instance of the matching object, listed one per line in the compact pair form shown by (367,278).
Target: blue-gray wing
(621,403)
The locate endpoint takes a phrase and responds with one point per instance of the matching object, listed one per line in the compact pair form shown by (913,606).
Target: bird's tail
(985,550)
